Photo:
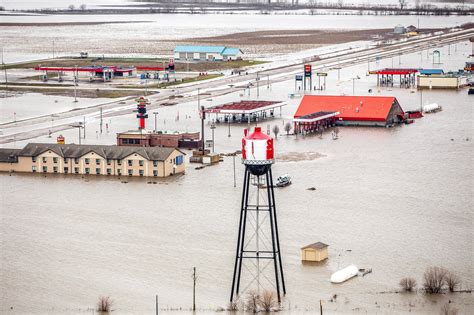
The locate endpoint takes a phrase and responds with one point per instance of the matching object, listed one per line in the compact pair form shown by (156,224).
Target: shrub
(232,306)
(288,128)
(434,279)
(268,302)
(408,284)
(251,304)
(276,130)
(452,281)
(104,305)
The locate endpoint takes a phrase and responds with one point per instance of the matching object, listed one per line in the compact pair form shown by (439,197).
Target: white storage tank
(344,274)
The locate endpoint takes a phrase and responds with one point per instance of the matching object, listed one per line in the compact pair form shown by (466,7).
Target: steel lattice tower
(255,245)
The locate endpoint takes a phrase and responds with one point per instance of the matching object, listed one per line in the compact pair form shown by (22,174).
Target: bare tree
(340,3)
(268,302)
(288,128)
(82,7)
(251,304)
(276,130)
(434,279)
(402,3)
(452,281)
(104,305)
(408,284)
(71,7)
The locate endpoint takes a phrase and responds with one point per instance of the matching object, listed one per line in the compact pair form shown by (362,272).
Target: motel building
(316,111)
(207,53)
(93,159)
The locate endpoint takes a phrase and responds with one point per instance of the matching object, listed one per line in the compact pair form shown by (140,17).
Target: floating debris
(311,188)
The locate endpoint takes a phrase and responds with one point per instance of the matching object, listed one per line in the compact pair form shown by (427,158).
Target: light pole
(75,85)
(228,135)
(353,84)
(199,100)
(213,126)
(258,79)
(156,114)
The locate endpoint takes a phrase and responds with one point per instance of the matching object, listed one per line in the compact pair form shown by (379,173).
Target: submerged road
(38,126)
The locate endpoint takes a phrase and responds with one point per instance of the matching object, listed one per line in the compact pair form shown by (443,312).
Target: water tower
(258,246)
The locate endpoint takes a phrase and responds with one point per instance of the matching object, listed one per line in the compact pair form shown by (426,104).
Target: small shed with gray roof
(314,252)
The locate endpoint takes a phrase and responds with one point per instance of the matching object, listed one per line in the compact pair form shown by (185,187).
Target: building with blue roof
(431,71)
(209,53)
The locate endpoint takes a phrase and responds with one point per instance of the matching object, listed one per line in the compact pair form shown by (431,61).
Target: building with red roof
(354,110)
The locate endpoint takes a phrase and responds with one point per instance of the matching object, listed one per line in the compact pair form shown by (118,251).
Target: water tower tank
(257,151)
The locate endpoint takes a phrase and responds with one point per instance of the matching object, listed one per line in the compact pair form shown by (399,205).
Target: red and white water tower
(258,221)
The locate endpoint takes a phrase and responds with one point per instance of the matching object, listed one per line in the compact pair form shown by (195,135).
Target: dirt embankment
(284,41)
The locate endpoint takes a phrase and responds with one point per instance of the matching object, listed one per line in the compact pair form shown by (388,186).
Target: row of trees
(72,7)
(435,280)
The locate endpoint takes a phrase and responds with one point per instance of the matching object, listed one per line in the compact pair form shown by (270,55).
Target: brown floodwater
(396,200)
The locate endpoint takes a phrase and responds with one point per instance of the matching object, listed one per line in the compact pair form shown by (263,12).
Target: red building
(354,110)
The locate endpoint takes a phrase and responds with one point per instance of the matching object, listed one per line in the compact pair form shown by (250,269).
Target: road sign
(322,74)
(299,77)
(307,70)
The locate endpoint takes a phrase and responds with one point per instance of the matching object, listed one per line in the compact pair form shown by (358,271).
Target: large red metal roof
(357,108)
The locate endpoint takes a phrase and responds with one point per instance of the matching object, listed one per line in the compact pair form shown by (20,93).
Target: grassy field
(202,66)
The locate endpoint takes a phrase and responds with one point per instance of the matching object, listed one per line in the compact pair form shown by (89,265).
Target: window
(88,170)
(87,161)
(55,160)
(76,160)
(119,172)
(155,173)
(45,169)
(179,160)
(109,161)
(66,170)
(45,159)
(33,169)
(141,163)
(119,162)
(109,171)
(55,169)
(155,163)
(141,172)
(97,161)
(124,141)
(33,159)
(65,161)
(130,172)
(130,162)
(76,170)
(97,171)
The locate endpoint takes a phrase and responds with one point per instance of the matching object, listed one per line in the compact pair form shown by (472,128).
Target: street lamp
(156,114)
(353,84)
(213,126)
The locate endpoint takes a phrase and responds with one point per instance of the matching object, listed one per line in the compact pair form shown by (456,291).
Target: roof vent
(357,109)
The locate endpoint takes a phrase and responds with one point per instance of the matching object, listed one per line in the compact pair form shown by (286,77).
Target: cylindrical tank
(257,151)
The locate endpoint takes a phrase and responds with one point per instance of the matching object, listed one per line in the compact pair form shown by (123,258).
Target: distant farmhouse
(209,53)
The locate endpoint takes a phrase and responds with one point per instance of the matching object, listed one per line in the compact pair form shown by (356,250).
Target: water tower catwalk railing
(257,217)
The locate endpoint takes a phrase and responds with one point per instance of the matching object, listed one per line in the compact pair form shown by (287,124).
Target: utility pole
(53,49)
(79,129)
(320,307)
(156,114)
(213,126)
(199,100)
(194,288)
(84,124)
(258,92)
(203,117)
(101,119)
(156,304)
(75,86)
(233,157)
(268,81)
(421,100)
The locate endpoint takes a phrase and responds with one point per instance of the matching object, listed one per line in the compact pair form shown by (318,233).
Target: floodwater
(395,200)
(155,34)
